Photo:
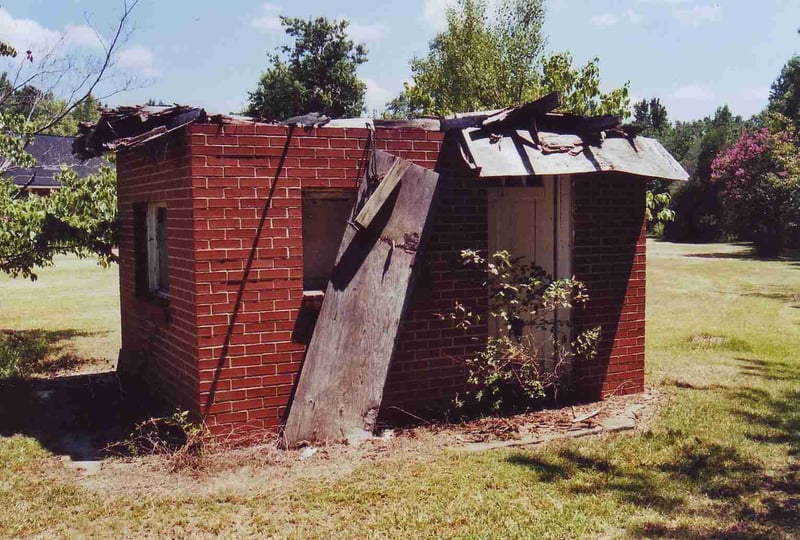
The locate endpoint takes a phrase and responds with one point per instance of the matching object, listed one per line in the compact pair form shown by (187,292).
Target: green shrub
(532,354)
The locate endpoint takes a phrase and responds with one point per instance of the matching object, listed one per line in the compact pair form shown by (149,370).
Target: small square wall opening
(325,216)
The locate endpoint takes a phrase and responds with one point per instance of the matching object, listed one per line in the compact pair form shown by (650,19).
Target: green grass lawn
(721,460)
(71,312)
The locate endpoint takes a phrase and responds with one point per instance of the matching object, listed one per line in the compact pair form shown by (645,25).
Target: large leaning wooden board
(340,386)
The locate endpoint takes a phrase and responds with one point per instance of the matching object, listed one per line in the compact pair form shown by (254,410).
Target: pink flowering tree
(760,186)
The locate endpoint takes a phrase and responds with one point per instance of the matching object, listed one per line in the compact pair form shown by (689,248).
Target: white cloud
(605,19)
(365,32)
(376,97)
(269,20)
(139,58)
(692,92)
(610,19)
(27,34)
(689,12)
(82,36)
(697,15)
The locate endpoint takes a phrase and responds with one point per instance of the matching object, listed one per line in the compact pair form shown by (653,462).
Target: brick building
(229,230)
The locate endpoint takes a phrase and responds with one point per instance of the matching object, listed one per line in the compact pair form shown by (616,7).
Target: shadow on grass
(776,415)
(76,415)
(774,371)
(24,353)
(749,253)
(746,500)
(789,297)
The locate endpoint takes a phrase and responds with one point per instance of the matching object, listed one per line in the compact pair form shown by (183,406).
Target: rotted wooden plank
(382,193)
(523,114)
(340,387)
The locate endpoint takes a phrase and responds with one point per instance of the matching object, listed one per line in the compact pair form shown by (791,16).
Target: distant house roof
(51,152)
(523,140)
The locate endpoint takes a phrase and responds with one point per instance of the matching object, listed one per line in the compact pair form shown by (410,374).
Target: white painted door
(535,223)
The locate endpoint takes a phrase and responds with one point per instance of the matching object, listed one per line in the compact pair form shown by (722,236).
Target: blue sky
(693,54)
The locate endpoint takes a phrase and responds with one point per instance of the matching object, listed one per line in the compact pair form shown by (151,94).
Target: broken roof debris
(524,140)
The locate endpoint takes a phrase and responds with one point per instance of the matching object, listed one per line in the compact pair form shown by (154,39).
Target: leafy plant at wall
(531,355)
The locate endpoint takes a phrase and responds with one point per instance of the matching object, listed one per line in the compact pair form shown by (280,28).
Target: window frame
(156,237)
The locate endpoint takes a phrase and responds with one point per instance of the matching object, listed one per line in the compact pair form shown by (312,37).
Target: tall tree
(651,116)
(316,74)
(759,177)
(39,93)
(784,95)
(477,64)
(697,203)
(48,93)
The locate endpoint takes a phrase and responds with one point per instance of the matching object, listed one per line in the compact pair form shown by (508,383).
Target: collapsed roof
(524,140)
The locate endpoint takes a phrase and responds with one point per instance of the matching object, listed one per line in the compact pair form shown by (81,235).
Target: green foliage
(651,116)
(462,69)
(760,179)
(657,207)
(697,203)
(36,109)
(79,218)
(580,87)
(532,354)
(15,134)
(316,74)
(476,64)
(784,95)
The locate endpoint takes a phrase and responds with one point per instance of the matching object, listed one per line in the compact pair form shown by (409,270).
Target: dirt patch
(263,466)
(708,340)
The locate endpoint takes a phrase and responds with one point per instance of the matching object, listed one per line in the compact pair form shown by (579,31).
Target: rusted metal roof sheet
(525,152)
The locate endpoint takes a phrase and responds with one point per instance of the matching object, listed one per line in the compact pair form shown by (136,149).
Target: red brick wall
(160,340)
(225,349)
(250,363)
(610,259)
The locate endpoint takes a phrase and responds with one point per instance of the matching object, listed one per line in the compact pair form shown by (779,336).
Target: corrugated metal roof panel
(519,152)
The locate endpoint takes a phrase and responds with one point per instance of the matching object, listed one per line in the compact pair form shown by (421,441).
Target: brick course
(610,258)
(218,181)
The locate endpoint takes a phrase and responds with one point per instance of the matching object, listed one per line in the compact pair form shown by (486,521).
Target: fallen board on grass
(340,387)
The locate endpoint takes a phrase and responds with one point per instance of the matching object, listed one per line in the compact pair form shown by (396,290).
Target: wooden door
(535,223)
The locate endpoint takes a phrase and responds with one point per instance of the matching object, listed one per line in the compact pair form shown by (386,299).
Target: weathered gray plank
(525,113)
(340,387)
(382,193)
